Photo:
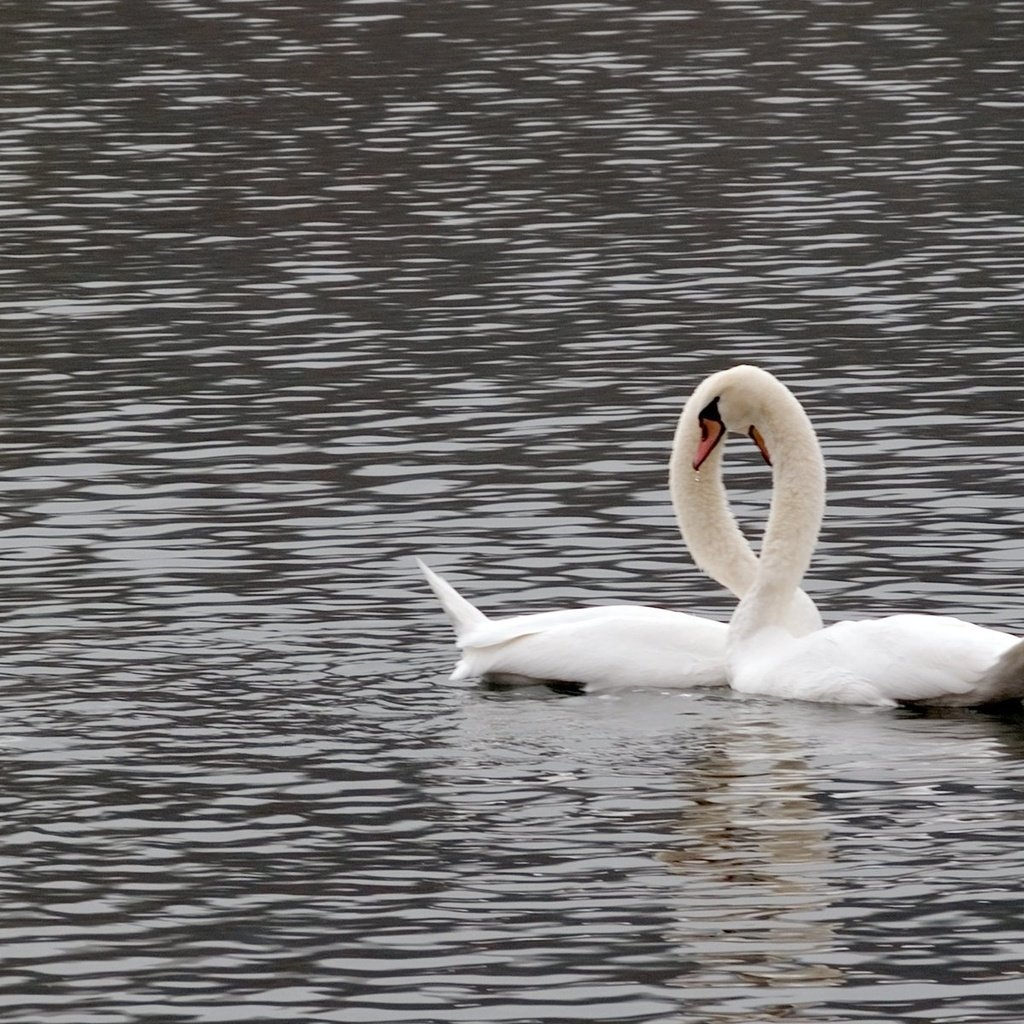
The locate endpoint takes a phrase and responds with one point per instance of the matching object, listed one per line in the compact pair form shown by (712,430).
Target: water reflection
(755,836)
(806,860)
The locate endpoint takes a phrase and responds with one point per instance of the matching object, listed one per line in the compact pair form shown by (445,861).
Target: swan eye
(710,412)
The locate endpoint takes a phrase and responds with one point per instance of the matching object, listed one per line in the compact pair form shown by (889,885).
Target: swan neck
(701,504)
(794,520)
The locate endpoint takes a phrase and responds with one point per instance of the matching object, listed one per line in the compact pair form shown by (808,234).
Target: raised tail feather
(462,615)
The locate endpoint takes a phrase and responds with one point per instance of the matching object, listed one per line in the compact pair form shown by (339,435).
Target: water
(292,292)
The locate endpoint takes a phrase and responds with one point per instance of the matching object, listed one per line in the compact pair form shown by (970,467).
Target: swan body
(600,647)
(912,658)
(626,645)
(909,658)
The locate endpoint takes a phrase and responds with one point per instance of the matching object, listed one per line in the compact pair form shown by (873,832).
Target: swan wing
(914,658)
(602,647)
(495,631)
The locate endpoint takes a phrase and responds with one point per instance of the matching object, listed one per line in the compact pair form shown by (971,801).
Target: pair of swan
(774,644)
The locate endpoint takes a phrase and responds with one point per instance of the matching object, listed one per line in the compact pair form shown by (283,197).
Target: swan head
(738,400)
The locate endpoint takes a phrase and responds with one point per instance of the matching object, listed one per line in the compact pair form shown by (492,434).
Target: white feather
(926,659)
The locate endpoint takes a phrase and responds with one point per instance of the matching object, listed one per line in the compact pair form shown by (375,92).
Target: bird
(623,646)
(910,658)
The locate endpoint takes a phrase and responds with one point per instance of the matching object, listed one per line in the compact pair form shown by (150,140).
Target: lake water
(294,291)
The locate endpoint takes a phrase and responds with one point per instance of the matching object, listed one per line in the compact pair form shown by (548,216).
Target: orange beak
(711,432)
(755,435)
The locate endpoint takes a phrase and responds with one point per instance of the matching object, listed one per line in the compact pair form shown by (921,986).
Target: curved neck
(702,510)
(797,508)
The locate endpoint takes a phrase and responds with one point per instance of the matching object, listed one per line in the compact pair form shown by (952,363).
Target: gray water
(291,292)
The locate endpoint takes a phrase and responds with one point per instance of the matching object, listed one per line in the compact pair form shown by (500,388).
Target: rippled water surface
(291,292)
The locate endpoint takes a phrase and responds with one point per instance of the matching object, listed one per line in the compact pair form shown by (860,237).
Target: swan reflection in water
(798,839)
(757,863)
(756,858)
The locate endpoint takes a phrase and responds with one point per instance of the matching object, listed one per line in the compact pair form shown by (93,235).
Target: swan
(611,646)
(909,658)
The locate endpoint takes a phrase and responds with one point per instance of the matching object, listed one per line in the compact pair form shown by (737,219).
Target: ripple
(294,293)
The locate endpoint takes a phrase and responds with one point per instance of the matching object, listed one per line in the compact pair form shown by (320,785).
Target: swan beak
(756,437)
(711,432)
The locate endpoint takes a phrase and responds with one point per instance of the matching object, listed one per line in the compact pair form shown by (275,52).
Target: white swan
(915,658)
(626,645)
